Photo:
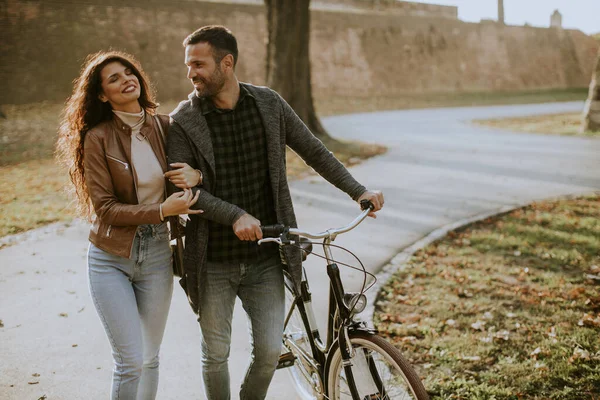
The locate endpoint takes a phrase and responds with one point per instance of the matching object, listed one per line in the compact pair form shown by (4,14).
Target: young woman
(114,147)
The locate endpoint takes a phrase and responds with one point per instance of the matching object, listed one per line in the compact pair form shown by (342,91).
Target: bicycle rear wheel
(380,372)
(306,379)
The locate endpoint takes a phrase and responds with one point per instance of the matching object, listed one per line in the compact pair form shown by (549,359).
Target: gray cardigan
(189,142)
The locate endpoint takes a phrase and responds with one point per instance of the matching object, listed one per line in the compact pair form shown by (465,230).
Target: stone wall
(391,6)
(43,44)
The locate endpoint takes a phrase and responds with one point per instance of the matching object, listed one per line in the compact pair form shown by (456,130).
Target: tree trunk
(501,11)
(288,63)
(591,112)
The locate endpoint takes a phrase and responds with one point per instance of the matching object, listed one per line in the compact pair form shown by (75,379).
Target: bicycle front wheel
(306,379)
(379,370)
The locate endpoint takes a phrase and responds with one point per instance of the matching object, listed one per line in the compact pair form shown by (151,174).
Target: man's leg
(262,294)
(216,312)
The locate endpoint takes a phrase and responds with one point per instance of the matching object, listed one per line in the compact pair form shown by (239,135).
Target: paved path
(439,169)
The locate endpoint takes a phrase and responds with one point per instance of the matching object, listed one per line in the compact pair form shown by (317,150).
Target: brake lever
(267,240)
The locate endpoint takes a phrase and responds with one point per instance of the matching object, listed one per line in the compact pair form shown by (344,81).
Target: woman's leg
(153,287)
(113,296)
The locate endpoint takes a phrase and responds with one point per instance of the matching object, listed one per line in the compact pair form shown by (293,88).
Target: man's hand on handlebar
(376,198)
(247,228)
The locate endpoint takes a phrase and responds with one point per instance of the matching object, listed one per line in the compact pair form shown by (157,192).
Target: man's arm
(179,149)
(316,155)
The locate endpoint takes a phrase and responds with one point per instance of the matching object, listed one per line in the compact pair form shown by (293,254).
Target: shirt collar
(207,106)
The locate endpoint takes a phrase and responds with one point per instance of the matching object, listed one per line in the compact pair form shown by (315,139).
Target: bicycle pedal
(286,360)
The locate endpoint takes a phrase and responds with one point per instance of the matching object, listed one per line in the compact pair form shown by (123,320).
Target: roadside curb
(38,233)
(398,262)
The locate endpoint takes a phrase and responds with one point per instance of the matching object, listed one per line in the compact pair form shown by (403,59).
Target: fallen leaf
(502,335)
(478,326)
(410,318)
(535,353)
(508,280)
(463,293)
(593,277)
(589,320)
(408,339)
(540,366)
(63,314)
(579,354)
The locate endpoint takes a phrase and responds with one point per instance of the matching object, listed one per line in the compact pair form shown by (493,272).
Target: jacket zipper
(119,161)
(108,231)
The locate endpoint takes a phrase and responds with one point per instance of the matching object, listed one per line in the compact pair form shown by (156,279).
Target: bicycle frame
(336,333)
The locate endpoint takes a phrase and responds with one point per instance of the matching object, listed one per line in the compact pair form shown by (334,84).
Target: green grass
(32,194)
(568,124)
(507,308)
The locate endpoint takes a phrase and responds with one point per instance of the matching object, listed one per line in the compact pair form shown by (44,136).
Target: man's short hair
(219,37)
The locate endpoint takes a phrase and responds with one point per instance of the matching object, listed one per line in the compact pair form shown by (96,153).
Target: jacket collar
(152,133)
(207,106)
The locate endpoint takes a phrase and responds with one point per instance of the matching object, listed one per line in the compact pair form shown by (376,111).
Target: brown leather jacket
(112,183)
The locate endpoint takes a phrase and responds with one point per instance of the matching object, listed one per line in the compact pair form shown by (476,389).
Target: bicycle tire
(404,382)
(305,386)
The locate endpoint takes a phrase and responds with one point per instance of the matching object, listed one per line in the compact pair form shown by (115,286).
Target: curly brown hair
(84,110)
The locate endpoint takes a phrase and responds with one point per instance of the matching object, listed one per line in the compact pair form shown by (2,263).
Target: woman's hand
(184,176)
(180,203)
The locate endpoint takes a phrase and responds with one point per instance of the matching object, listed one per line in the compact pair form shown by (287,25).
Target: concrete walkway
(439,169)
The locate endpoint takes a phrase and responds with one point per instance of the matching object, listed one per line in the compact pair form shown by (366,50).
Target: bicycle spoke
(377,374)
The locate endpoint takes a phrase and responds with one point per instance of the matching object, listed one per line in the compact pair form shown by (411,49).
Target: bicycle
(354,362)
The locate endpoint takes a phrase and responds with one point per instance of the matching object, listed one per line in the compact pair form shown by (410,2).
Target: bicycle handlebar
(270,231)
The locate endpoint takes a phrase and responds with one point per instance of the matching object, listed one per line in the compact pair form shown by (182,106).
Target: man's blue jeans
(260,288)
(132,297)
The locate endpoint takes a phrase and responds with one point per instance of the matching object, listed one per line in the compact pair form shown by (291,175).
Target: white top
(150,179)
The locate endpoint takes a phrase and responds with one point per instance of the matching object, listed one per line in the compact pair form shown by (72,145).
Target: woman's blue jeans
(132,298)
(260,288)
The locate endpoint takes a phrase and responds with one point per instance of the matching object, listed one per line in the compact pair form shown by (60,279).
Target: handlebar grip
(364,204)
(272,230)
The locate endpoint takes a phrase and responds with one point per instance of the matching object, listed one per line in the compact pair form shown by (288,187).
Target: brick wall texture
(43,43)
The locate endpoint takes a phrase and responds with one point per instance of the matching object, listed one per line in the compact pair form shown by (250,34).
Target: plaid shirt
(242,171)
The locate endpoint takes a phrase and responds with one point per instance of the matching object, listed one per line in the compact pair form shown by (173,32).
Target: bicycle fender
(335,345)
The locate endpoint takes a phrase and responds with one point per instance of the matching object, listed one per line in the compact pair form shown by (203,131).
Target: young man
(236,134)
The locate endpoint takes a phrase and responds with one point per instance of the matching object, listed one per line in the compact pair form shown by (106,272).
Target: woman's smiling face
(120,87)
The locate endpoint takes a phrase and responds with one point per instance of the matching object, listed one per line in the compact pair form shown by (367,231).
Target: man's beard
(212,86)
